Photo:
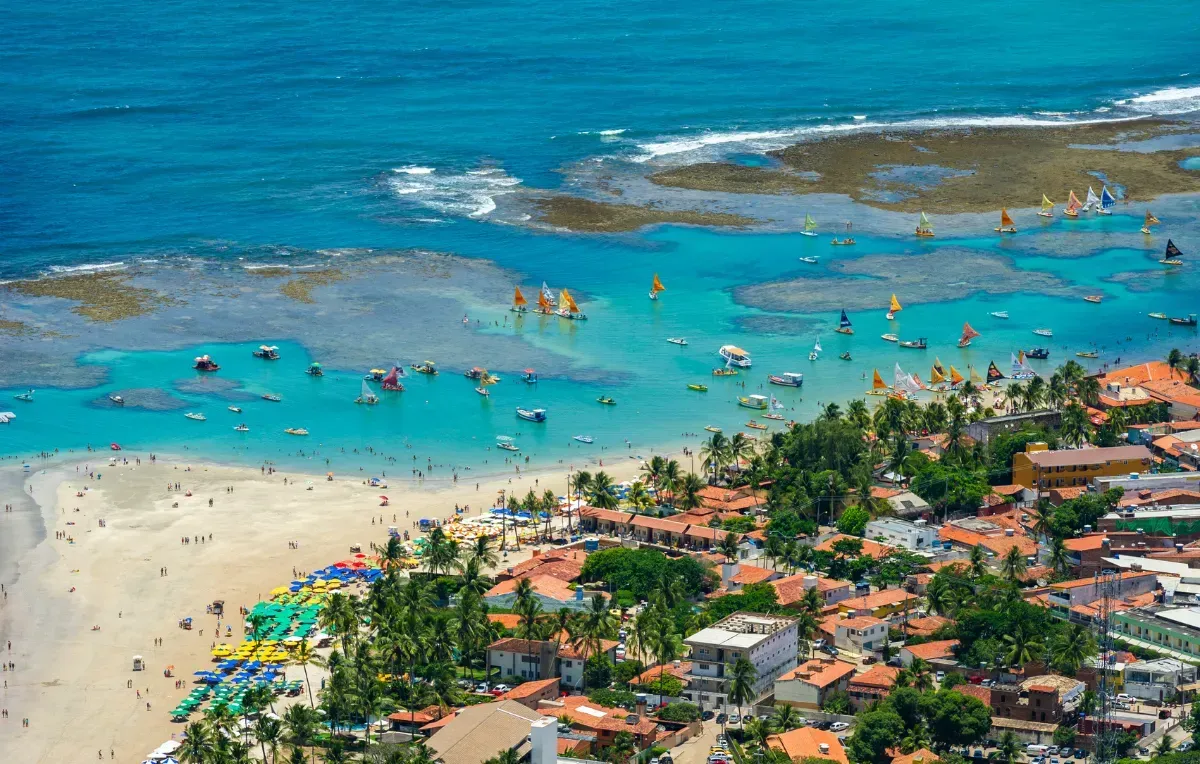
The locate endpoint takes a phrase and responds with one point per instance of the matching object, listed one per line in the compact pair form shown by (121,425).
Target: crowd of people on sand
(188,540)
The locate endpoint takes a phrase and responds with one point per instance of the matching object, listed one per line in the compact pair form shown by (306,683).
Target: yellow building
(1042,469)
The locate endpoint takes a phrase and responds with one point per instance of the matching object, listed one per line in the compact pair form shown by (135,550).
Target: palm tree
(976,562)
(1043,514)
(785,718)
(740,447)
(1035,393)
(940,596)
(1023,647)
(729,546)
(507,756)
(742,676)
(666,646)
(1013,565)
(1193,368)
(1075,425)
(300,723)
(622,749)
(757,731)
(856,412)
(305,656)
(714,454)
(583,482)
(1059,558)
(1071,648)
(669,479)
(638,497)
(916,738)
(654,469)
(594,624)
(197,744)
(1176,359)
(691,488)
(268,731)
(1165,745)
(773,549)
(1056,390)
(601,492)
(1089,390)
(1008,749)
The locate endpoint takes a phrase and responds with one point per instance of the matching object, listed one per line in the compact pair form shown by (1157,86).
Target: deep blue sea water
(149,130)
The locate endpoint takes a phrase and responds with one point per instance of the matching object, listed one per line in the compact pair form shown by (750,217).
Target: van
(1036,749)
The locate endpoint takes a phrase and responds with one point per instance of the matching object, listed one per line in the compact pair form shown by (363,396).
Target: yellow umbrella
(279,591)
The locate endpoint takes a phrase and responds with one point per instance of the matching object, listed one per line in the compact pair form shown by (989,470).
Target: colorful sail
(1005,220)
(809,223)
(955,377)
(1047,205)
(877,383)
(1150,219)
(1092,200)
(392,380)
(568,302)
(518,298)
(657,286)
(1021,357)
(975,375)
(544,304)
(924,224)
(1172,252)
(1106,199)
(916,380)
(845,322)
(1073,205)
(968,333)
(904,382)
(547,294)
(993,373)
(895,305)
(937,374)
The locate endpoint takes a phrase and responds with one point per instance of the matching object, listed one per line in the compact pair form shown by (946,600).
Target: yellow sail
(1047,205)
(935,376)
(955,377)
(568,302)
(657,286)
(1021,357)
(518,298)
(975,376)
(1150,219)
(895,305)
(877,383)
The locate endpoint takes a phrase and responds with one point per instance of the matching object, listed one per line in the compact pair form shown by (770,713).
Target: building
(862,634)
(1042,699)
(1183,400)
(869,548)
(871,686)
(1157,679)
(552,592)
(989,533)
(1043,469)
(790,591)
(1171,631)
(986,429)
(477,733)
(881,604)
(1083,591)
(663,531)
(602,722)
(530,694)
(919,756)
(927,651)
(528,659)
(807,685)
(1158,482)
(571,662)
(767,641)
(807,743)
(915,535)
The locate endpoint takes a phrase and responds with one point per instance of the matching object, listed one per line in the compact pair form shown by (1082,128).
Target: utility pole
(1104,735)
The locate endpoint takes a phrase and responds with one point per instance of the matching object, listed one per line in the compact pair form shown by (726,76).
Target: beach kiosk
(138,663)
(218,607)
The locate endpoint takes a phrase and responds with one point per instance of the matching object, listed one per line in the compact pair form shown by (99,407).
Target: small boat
(711,428)
(584,439)
(530,377)
(924,227)
(569,309)
(374,375)
(725,372)
(1047,210)
(1092,203)
(532,415)
(889,337)
(846,242)
(314,370)
(1020,369)
(275,398)
(205,363)
(545,304)
(474,373)
(197,417)
(505,442)
(844,326)
(484,392)
(26,396)
(606,400)
(391,382)
(1159,316)
(1172,256)
(776,417)
(1149,221)
(425,367)
(1073,206)
(1039,354)
(846,356)
(735,356)
(968,334)
(296,431)
(1107,201)
(520,304)
(993,373)
(1006,223)
(878,387)
(810,226)
(116,399)
(698,388)
(1093,298)
(756,425)
(1044,332)
(917,344)
(893,309)
(367,396)
(547,295)
(956,379)
(677,341)
(235,409)
(1088,354)
(242,428)
(115,446)
(809,260)
(267,352)
(1189,321)
(655,287)
(786,379)
(999,314)
(758,402)
(815,353)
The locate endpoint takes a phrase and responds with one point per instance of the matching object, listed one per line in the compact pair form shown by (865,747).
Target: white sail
(1092,199)
(775,404)
(548,294)
(817,347)
(366,391)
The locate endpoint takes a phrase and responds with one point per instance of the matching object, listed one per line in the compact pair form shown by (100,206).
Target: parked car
(735,719)
(481,688)
(721,718)
(838,726)
(828,649)
(1080,753)
(869,659)
(1186,746)
(1126,698)
(939,676)
(707,715)
(1052,750)
(895,662)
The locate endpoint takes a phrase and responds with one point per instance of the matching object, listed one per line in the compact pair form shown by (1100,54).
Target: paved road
(695,751)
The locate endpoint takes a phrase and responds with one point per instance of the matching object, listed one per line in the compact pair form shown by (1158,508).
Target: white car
(838,726)
(1126,698)
(501,688)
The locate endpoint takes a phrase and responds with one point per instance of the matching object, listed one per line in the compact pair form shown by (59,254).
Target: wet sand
(101,296)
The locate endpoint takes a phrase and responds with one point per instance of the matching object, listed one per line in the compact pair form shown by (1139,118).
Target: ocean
(242,135)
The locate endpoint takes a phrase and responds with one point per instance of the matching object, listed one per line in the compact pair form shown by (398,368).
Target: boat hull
(782,383)
(844,331)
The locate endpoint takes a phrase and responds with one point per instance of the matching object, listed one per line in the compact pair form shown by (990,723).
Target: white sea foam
(263,266)
(612,132)
(1166,101)
(86,267)
(472,193)
(414,170)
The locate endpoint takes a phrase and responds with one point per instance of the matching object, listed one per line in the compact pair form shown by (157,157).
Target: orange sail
(657,286)
(968,334)
(568,302)
(917,381)
(877,383)
(543,303)
(1005,220)
(1150,219)
(955,377)
(518,298)
(1073,204)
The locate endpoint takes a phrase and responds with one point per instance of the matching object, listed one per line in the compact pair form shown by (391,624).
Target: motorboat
(483,391)
(26,396)
(296,431)
(117,400)
(532,415)
(917,344)
(1088,354)
(777,417)
(314,370)
(584,438)
(735,356)
(505,442)
(712,428)
(242,428)
(205,363)
(474,373)
(271,397)
(1159,316)
(756,425)
(375,375)
(1044,332)
(999,314)
(425,367)
(530,377)
(758,402)
(1093,298)
(809,260)
(698,388)
(235,409)
(890,337)
(267,352)
(607,400)
(195,416)
(1189,321)
(786,379)
(677,341)
(1039,354)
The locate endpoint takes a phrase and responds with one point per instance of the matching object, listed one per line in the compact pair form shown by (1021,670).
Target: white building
(862,634)
(915,536)
(769,642)
(1157,679)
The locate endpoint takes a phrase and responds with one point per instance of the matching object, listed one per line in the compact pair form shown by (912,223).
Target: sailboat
(974,375)
(25,396)
(519,302)
(656,287)
(877,385)
(367,395)
(924,227)
(1150,220)
(392,381)
(1172,256)
(1006,223)
(1093,201)
(816,351)
(955,378)
(968,334)
(545,307)
(810,226)
(1047,210)
(894,309)
(993,373)
(938,372)
(569,309)
(486,379)
(1073,206)
(903,384)
(1107,201)
(548,295)
(844,326)
(1021,370)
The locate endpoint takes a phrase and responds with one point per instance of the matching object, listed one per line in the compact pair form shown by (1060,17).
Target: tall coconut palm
(857,413)
(1022,646)
(1176,359)
(740,448)
(976,562)
(690,491)
(742,676)
(304,656)
(714,454)
(1058,557)
(1035,393)
(1089,390)
(1056,390)
(1013,565)
(1076,427)
(639,498)
(1071,648)
(601,492)
(594,624)
(197,744)
(670,479)
(1008,749)
(785,718)
(666,646)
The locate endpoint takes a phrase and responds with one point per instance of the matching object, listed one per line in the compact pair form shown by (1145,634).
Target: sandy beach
(135,578)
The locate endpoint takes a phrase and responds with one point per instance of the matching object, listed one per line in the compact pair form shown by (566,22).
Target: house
(529,659)
(677,669)
(478,733)
(869,548)
(807,685)
(529,694)
(1085,590)
(989,534)
(904,503)
(871,686)
(862,634)
(1157,679)
(919,756)
(602,722)
(986,429)
(552,592)
(767,641)
(1045,698)
(741,574)
(790,591)
(1183,400)
(926,626)
(808,743)
(571,661)
(915,536)
(566,564)
(1043,469)
(927,651)
(407,721)
(881,604)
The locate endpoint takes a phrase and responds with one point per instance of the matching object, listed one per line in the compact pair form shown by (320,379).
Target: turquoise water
(257,134)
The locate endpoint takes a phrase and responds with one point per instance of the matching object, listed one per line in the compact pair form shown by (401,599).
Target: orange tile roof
(1066,494)
(1173,391)
(937,566)
(927,625)
(1087,543)
(751,574)
(790,589)
(983,694)
(514,645)
(819,672)
(567,745)
(566,650)
(806,743)
(1140,374)
(921,756)
(876,600)
(507,620)
(879,492)
(878,676)
(605,514)
(929,650)
(547,586)
(525,689)
(869,548)
(651,674)
(1008,490)
(610,719)
(860,622)
(1076,583)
